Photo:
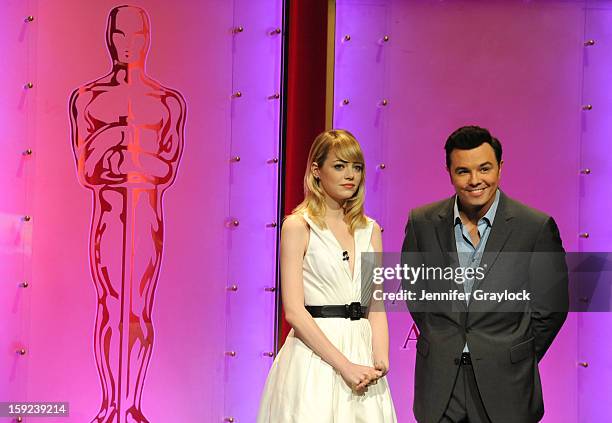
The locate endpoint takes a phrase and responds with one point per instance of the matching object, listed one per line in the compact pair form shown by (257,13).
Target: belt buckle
(354,310)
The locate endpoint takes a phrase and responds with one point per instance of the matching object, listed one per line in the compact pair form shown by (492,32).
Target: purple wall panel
(250,310)
(595,329)
(513,67)
(596,129)
(361,62)
(17,42)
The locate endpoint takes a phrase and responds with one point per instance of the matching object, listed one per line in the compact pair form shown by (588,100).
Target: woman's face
(339,179)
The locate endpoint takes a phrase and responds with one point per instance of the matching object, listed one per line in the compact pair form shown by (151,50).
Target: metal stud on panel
(266,101)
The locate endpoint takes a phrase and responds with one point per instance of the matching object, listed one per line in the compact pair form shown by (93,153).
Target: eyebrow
(480,165)
(344,161)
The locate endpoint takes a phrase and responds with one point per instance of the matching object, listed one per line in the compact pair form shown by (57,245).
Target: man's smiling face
(475,175)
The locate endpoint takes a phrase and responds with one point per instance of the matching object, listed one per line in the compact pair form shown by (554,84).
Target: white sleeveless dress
(301,387)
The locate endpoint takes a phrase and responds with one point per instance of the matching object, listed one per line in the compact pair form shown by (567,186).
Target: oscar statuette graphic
(127,137)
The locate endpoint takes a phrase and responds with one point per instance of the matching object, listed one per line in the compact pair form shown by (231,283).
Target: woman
(333,364)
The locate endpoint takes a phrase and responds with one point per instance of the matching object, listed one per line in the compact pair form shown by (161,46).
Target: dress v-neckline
(350,272)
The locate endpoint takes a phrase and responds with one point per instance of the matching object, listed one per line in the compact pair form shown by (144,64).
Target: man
(477,360)
(127,137)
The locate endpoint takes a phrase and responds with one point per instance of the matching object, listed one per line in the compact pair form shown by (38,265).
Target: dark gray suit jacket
(506,341)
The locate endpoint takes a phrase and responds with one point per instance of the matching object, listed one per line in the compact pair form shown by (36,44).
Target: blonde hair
(346,147)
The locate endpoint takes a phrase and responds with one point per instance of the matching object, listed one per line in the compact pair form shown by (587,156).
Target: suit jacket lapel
(445,230)
(446,234)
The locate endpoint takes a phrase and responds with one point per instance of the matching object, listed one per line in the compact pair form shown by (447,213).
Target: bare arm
(294,240)
(378,318)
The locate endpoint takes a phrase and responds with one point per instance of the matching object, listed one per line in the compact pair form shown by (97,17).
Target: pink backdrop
(526,76)
(16,172)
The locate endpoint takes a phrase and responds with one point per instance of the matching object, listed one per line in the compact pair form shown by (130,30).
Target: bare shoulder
(376,228)
(295,224)
(376,236)
(295,233)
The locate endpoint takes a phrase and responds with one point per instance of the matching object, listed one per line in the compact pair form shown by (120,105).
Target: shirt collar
(488,217)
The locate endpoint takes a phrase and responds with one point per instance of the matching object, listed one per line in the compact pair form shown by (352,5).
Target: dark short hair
(468,137)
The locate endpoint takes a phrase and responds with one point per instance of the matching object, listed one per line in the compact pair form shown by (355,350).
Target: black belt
(466,359)
(353,311)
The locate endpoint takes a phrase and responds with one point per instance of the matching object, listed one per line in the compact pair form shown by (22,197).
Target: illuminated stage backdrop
(16,172)
(115,298)
(409,73)
(595,329)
